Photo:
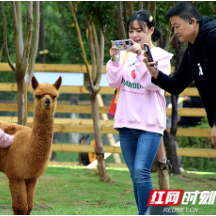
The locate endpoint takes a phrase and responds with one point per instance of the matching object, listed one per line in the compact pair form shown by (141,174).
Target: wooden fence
(65,125)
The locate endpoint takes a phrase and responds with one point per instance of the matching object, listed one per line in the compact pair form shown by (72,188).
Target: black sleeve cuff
(155,81)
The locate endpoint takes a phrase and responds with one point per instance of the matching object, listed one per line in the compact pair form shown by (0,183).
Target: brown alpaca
(28,156)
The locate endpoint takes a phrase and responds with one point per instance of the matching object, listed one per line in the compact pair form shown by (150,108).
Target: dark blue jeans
(139,149)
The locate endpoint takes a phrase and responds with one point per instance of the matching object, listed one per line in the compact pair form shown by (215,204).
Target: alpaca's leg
(19,198)
(30,188)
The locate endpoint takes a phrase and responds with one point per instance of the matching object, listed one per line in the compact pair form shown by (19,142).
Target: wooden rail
(12,87)
(11,107)
(70,68)
(112,149)
(61,163)
(107,128)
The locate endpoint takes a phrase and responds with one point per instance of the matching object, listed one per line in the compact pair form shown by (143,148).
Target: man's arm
(175,83)
(212,51)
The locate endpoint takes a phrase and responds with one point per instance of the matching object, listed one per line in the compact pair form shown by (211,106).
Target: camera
(122,44)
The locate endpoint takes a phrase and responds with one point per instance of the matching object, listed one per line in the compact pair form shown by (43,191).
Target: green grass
(78,191)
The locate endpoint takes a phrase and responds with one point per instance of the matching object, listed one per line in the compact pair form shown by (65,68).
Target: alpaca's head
(45,95)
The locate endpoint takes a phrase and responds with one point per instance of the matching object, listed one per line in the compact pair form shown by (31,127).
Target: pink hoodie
(5,139)
(141,104)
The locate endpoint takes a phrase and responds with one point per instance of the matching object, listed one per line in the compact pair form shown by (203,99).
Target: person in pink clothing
(140,115)
(5,139)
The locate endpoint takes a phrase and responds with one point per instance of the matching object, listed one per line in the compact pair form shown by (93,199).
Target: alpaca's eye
(53,97)
(38,96)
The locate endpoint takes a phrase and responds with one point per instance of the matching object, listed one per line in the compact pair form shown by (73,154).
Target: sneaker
(164,170)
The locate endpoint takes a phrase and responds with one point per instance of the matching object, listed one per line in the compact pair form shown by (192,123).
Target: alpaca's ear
(34,82)
(58,82)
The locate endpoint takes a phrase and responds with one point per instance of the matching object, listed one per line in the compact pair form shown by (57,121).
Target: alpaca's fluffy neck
(42,130)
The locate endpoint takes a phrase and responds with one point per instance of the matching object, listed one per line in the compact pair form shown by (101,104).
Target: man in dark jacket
(199,60)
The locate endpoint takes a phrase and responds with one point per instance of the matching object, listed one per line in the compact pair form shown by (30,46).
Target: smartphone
(122,44)
(148,52)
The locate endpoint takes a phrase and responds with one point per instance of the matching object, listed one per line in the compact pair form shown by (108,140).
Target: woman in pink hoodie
(140,115)
(5,139)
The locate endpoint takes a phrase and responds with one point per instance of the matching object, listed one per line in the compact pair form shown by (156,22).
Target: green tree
(22,70)
(94,17)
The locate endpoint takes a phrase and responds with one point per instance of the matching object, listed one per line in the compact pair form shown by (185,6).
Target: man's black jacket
(203,51)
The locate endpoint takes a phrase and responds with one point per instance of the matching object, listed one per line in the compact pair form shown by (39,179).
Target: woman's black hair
(144,18)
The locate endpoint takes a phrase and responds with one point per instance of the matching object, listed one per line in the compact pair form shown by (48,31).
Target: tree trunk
(110,137)
(169,139)
(1,51)
(121,24)
(174,98)
(125,14)
(148,6)
(93,87)
(140,5)
(131,8)
(169,143)
(98,138)
(154,167)
(152,8)
(22,98)
(23,69)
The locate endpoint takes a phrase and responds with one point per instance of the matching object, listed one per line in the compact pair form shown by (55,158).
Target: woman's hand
(114,51)
(135,48)
(151,66)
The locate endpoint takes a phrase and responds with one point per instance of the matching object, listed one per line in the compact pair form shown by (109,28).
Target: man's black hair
(184,10)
